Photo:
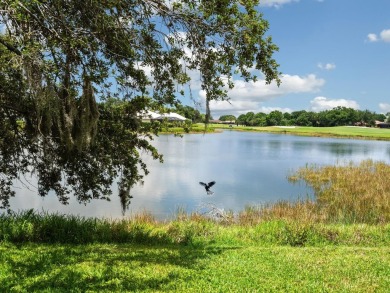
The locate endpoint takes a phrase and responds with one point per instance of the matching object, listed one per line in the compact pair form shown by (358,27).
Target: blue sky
(331,53)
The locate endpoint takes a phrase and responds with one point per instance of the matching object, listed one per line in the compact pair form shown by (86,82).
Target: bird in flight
(207,186)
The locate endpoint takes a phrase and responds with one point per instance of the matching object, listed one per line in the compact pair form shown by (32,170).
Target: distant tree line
(338,116)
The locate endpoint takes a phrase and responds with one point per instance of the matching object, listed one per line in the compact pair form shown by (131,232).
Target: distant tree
(287,116)
(189,112)
(241,119)
(301,118)
(250,119)
(274,118)
(260,119)
(368,117)
(227,118)
(380,117)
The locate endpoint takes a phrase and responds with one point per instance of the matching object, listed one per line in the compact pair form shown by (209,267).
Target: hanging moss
(85,127)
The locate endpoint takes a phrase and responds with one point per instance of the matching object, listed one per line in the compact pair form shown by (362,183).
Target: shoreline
(347,132)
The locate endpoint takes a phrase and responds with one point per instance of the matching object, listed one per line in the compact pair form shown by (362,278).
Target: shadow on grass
(99,267)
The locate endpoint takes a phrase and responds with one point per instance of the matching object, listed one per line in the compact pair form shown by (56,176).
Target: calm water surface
(249,168)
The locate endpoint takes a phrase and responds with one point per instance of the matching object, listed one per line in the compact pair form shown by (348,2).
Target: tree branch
(10,47)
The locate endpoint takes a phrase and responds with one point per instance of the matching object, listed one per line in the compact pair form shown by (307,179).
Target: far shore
(352,132)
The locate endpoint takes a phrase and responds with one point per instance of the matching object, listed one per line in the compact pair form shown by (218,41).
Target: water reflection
(249,168)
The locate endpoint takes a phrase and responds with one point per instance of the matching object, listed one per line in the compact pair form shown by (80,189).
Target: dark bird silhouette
(207,186)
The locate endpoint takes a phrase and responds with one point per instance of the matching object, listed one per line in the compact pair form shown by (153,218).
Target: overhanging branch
(9,46)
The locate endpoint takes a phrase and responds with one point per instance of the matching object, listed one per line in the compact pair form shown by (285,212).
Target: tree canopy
(338,116)
(227,118)
(75,74)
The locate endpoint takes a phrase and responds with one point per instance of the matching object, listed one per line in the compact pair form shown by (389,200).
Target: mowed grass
(339,131)
(337,242)
(136,268)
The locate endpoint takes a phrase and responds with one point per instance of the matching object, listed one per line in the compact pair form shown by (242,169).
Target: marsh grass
(30,226)
(193,230)
(343,194)
(352,193)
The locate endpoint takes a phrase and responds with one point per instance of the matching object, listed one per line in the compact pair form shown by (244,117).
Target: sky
(331,53)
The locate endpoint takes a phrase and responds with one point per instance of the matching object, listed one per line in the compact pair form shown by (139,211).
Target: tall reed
(351,193)
(58,228)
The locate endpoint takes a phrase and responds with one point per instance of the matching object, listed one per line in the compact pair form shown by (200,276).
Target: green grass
(136,268)
(339,131)
(190,254)
(193,128)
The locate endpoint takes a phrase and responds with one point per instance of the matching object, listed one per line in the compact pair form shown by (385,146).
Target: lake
(249,168)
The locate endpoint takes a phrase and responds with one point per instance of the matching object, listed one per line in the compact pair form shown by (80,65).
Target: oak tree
(74,76)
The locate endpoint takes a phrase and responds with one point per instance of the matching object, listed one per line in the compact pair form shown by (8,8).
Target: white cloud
(259,91)
(322,103)
(372,37)
(276,3)
(327,66)
(268,110)
(385,107)
(384,36)
(248,96)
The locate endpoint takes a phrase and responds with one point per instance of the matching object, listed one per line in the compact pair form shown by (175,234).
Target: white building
(147,116)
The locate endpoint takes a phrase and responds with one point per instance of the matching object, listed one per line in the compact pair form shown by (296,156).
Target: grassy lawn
(339,131)
(140,268)
(190,254)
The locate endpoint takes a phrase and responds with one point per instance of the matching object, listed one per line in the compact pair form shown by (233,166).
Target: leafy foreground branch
(75,75)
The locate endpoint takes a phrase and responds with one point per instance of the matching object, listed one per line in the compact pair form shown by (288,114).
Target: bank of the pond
(248,228)
(190,254)
(337,131)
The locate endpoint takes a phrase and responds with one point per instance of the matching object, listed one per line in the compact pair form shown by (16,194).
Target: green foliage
(190,113)
(274,118)
(227,118)
(339,116)
(75,75)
